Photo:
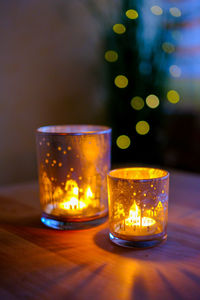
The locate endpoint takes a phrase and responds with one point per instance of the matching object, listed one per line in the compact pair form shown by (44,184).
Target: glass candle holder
(73,161)
(138,206)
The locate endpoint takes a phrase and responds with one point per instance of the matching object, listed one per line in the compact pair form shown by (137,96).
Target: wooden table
(40,263)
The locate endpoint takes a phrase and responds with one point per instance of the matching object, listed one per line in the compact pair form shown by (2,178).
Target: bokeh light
(121,81)
(137,103)
(175,12)
(175,71)
(142,127)
(156,10)
(152,101)
(123,141)
(173,96)
(111,56)
(168,47)
(119,28)
(132,14)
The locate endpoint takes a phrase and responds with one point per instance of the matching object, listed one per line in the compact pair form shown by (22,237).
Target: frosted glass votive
(138,206)
(73,161)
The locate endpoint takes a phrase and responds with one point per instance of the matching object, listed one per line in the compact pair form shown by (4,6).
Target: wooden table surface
(41,263)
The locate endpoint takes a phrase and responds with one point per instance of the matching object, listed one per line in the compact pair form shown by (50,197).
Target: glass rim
(73,129)
(165,172)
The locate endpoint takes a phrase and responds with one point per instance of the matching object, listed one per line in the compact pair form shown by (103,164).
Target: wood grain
(40,263)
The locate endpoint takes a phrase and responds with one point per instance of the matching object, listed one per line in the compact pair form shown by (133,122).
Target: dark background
(53,71)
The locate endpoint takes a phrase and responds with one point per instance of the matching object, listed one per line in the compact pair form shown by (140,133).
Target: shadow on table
(14,212)
(175,248)
(33,226)
(35,222)
(24,220)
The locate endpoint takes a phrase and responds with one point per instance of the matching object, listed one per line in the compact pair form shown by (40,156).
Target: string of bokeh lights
(121,81)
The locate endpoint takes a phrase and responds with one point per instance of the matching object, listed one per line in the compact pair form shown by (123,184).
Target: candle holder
(73,161)
(138,206)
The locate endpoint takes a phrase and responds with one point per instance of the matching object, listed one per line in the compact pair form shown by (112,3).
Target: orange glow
(73,200)
(89,193)
(138,204)
(73,204)
(75,190)
(138,224)
(73,162)
(92,150)
(138,173)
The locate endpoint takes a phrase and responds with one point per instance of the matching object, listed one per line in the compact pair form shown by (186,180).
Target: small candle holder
(138,206)
(73,161)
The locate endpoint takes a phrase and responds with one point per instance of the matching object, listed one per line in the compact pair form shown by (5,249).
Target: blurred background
(131,64)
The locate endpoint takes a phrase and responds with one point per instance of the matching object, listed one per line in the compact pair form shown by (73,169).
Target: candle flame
(89,193)
(73,200)
(135,218)
(75,191)
(73,204)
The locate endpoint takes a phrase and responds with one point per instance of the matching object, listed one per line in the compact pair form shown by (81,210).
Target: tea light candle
(136,225)
(73,161)
(74,204)
(138,205)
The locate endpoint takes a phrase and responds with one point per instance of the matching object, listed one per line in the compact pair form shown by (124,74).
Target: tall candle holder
(138,206)
(73,161)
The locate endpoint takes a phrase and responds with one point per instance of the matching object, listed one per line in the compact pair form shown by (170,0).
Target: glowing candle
(73,161)
(138,206)
(137,225)
(74,204)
